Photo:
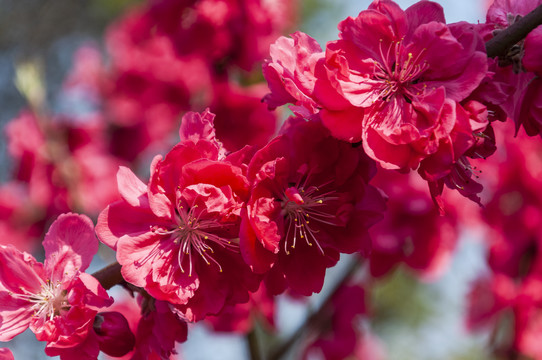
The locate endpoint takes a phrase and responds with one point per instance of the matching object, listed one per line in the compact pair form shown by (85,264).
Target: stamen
(300,205)
(194,237)
(48,302)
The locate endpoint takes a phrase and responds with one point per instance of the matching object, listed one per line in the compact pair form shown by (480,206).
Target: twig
(109,276)
(500,43)
(253,345)
(315,317)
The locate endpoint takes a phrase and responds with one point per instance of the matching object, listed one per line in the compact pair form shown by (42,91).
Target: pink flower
(176,236)
(487,298)
(471,137)
(309,202)
(55,299)
(396,81)
(405,69)
(490,300)
(149,78)
(296,73)
(29,149)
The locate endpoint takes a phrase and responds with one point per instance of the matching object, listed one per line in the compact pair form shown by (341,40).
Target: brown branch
(315,318)
(504,40)
(109,276)
(253,345)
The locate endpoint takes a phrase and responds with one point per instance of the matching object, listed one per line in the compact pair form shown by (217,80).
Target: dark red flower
(310,201)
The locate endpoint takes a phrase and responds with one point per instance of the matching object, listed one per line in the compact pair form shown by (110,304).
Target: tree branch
(109,276)
(253,345)
(504,40)
(315,318)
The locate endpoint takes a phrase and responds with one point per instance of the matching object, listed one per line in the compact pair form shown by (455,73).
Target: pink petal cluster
(223,31)
(395,80)
(56,299)
(176,236)
(310,201)
(150,84)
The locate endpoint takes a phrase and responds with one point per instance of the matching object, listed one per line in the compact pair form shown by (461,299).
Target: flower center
(398,72)
(48,302)
(303,209)
(196,236)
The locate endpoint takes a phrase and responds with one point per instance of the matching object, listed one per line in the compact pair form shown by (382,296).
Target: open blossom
(55,299)
(176,236)
(406,69)
(396,80)
(310,201)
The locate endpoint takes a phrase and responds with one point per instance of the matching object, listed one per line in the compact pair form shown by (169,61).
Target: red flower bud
(114,334)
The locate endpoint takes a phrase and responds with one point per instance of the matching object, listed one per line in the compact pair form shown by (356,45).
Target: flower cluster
(401,82)
(235,213)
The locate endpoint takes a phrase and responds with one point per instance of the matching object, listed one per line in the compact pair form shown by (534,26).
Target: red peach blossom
(309,202)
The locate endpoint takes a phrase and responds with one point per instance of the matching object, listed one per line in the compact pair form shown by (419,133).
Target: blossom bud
(114,334)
